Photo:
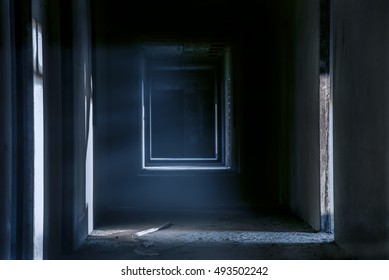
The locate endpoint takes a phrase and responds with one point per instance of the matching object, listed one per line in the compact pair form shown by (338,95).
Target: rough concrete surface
(243,235)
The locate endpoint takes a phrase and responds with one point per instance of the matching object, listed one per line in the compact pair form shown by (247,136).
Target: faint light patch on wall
(88,86)
(38,139)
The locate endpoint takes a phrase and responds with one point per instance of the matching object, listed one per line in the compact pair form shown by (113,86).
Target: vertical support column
(5,131)
(326,186)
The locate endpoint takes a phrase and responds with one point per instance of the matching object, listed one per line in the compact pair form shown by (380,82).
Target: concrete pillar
(5,132)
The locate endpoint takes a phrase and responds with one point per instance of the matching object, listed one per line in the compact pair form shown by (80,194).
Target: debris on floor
(143,248)
(151,230)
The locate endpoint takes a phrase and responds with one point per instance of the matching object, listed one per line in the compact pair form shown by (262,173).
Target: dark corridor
(166,75)
(121,116)
(256,104)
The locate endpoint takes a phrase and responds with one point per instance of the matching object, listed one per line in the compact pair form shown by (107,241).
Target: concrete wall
(16,131)
(5,131)
(361,126)
(23,129)
(53,130)
(76,88)
(305,185)
(67,87)
(81,71)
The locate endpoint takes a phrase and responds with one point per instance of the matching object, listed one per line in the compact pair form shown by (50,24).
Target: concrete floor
(208,235)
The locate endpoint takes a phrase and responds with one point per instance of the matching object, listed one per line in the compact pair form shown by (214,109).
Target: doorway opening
(186,107)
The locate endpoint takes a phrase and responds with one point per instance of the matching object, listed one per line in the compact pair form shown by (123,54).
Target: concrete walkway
(207,235)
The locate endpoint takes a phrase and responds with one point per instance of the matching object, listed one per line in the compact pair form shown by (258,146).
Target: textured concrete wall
(361,126)
(305,188)
(81,89)
(76,87)
(67,85)
(5,131)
